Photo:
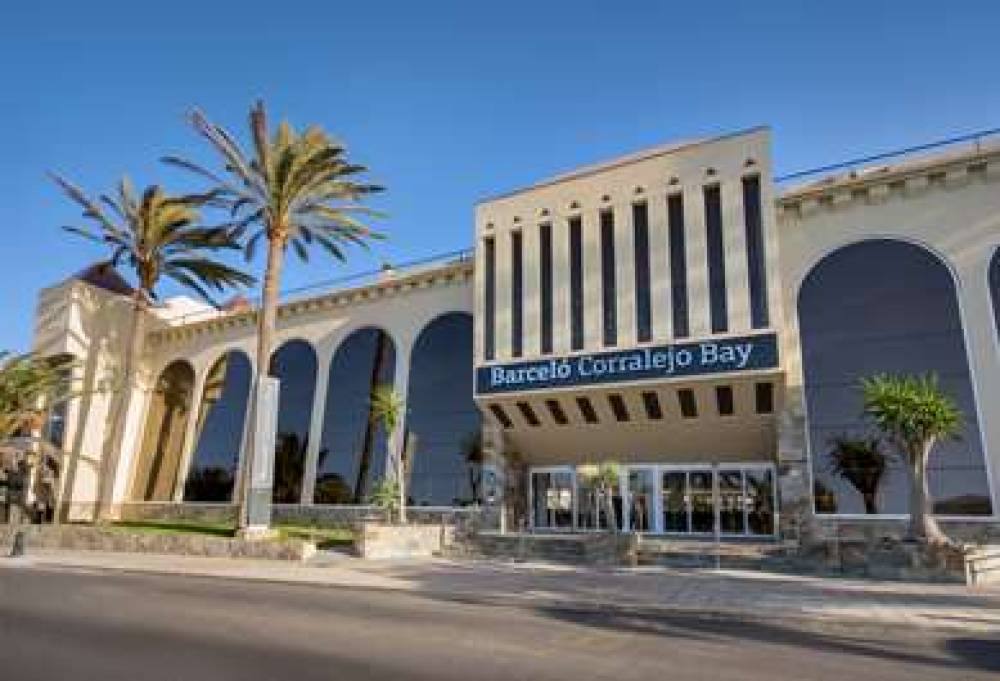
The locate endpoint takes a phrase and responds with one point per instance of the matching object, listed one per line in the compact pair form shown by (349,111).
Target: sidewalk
(749,594)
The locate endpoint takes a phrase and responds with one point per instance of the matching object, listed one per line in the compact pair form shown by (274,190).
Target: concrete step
(982,566)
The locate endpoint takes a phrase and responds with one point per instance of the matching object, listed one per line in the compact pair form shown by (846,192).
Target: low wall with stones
(824,528)
(87,538)
(596,549)
(378,540)
(886,558)
(191,512)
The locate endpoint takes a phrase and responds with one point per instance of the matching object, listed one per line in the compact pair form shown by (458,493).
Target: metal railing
(975,139)
(347,282)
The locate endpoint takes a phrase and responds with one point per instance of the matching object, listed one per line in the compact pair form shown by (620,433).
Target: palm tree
(387,408)
(915,414)
(862,463)
(29,385)
(155,235)
(294,189)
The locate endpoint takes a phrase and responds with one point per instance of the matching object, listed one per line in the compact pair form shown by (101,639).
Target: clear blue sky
(449,102)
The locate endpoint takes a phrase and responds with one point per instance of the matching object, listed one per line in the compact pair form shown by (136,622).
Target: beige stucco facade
(947,203)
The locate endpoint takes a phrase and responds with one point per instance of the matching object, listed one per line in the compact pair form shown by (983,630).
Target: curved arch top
(447,464)
(158,463)
(884,306)
(219,429)
(353,448)
(295,364)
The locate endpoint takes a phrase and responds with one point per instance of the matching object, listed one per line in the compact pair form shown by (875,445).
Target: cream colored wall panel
(659,267)
(734,242)
(625,275)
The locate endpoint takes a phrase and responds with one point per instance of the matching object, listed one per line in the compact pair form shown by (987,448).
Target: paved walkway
(747,594)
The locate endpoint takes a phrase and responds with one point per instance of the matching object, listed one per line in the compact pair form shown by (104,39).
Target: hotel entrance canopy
(689,401)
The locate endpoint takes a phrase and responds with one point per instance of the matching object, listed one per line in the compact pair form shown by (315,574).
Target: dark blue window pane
(756,260)
(576,282)
(516,294)
(885,307)
(716,259)
(678,266)
(294,364)
(353,450)
(446,467)
(545,276)
(489,298)
(219,436)
(640,226)
(609,296)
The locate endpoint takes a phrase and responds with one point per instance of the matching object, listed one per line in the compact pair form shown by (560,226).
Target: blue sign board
(724,355)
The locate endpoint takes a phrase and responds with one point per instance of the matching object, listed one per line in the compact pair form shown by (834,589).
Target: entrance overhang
(728,417)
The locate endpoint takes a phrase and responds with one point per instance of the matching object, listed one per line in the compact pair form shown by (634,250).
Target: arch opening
(162,445)
(446,469)
(294,364)
(219,429)
(354,449)
(884,306)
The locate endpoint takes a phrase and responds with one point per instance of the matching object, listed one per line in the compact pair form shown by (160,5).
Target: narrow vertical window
(609,297)
(576,282)
(545,277)
(756,262)
(516,295)
(489,298)
(678,266)
(640,226)
(716,260)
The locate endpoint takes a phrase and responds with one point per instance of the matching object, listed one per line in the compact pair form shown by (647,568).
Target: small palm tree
(862,463)
(915,414)
(29,385)
(387,407)
(296,190)
(155,235)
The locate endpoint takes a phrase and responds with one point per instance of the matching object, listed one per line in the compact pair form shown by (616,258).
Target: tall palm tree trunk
(923,525)
(381,356)
(112,453)
(266,325)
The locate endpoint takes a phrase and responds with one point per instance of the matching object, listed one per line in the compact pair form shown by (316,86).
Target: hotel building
(676,311)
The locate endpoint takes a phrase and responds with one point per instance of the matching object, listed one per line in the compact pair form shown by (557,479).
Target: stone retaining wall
(872,529)
(378,540)
(597,549)
(88,538)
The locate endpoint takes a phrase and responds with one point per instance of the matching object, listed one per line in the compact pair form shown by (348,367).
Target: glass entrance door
(641,499)
(688,500)
(552,499)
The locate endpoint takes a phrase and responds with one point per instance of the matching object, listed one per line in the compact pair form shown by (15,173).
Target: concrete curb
(868,617)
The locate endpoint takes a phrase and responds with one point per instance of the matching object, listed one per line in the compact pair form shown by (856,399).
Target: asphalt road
(72,624)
